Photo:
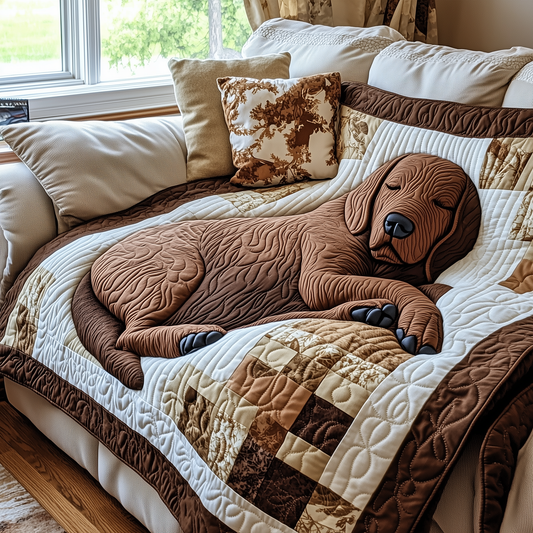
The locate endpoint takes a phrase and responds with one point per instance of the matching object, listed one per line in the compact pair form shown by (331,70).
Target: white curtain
(416,20)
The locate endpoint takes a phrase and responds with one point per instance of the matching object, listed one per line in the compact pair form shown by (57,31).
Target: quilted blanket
(314,425)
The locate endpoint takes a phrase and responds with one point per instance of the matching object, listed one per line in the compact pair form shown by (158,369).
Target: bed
(312,424)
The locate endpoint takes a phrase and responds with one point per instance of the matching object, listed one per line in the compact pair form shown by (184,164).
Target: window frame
(77,91)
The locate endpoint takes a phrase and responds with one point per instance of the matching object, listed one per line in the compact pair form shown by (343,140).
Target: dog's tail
(98,331)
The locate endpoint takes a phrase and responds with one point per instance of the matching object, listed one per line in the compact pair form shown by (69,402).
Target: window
(139,39)
(83,57)
(30,33)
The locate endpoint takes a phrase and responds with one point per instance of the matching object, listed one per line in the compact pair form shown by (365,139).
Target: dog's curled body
(368,249)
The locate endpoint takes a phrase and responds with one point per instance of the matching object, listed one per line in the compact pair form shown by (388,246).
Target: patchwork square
(327,512)
(272,353)
(269,390)
(284,493)
(195,421)
(521,280)
(505,163)
(24,321)
(294,337)
(227,438)
(303,456)
(360,372)
(305,371)
(235,407)
(251,378)
(321,424)
(327,355)
(357,130)
(249,469)
(522,229)
(267,432)
(343,394)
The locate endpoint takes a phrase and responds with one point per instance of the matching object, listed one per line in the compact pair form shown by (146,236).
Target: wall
(485,24)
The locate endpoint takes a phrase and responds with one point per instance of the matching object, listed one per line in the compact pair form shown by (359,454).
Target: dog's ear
(461,237)
(360,201)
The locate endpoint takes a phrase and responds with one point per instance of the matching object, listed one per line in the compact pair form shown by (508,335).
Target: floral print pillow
(282,131)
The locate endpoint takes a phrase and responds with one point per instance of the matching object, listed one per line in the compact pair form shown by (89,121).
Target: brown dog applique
(168,290)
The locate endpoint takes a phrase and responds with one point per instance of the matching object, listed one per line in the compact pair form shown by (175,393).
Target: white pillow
(520,90)
(317,49)
(27,221)
(95,168)
(421,70)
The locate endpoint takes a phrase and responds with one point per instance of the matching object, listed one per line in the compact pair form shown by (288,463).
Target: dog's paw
(194,341)
(383,318)
(409,344)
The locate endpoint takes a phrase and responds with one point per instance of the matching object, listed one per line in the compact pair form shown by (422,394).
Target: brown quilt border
(440,431)
(447,117)
(499,453)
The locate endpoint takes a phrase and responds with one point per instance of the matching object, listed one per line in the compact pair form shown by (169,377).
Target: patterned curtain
(416,20)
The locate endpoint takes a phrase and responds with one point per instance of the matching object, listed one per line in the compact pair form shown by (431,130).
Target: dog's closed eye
(393,187)
(440,204)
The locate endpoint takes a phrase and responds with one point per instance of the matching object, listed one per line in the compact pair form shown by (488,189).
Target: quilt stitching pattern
(457,401)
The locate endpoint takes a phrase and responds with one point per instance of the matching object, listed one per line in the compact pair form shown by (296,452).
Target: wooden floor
(73,498)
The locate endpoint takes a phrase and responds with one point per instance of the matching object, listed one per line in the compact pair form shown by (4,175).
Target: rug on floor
(19,512)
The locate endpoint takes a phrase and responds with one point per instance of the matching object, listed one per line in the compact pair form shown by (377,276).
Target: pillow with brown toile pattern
(282,131)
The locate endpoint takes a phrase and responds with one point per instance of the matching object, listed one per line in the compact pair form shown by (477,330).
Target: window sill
(74,100)
(7,155)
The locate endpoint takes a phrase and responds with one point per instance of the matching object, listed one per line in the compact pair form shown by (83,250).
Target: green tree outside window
(142,30)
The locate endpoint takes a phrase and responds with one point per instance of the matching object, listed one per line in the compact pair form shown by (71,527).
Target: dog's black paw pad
(409,344)
(428,350)
(390,313)
(213,336)
(195,341)
(373,317)
(359,315)
(383,318)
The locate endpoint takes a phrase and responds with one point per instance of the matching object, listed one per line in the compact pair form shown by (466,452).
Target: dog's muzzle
(398,226)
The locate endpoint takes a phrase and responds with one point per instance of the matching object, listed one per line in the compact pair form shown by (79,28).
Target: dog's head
(419,208)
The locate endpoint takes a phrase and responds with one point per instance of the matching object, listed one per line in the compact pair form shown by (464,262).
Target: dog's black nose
(398,226)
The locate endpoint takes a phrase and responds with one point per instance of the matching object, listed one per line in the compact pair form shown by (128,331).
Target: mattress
(313,424)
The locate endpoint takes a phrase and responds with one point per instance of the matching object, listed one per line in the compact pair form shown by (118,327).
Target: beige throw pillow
(282,131)
(94,168)
(197,96)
